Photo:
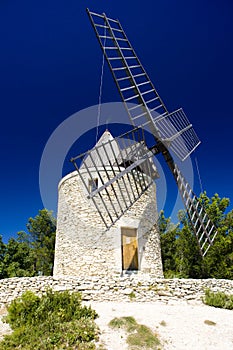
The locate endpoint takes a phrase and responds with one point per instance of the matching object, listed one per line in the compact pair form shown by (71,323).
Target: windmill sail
(135,87)
(204,229)
(146,108)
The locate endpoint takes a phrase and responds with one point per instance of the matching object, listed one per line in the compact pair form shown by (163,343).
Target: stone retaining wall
(124,288)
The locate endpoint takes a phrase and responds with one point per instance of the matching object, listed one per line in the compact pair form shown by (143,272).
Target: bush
(218,299)
(57,320)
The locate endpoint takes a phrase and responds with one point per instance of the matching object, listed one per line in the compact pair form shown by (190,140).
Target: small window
(92,184)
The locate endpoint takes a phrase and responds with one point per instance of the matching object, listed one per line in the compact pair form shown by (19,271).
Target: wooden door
(129,249)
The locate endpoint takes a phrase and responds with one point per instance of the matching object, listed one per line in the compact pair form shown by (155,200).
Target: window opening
(93,184)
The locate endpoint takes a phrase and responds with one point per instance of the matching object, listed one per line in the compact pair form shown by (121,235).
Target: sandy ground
(179,326)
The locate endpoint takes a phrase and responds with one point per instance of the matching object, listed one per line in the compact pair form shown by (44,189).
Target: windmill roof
(107,151)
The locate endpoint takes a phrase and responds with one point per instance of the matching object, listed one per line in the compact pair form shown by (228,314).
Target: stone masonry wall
(126,288)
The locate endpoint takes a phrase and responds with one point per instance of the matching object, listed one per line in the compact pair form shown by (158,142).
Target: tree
(3,273)
(42,230)
(218,261)
(168,233)
(180,252)
(188,261)
(17,259)
(32,252)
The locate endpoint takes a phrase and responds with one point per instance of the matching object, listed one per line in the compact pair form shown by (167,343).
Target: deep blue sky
(50,64)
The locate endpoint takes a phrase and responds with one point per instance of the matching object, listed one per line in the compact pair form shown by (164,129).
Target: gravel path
(179,325)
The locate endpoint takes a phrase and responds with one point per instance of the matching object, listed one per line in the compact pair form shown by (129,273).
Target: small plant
(218,299)
(139,337)
(153,288)
(57,320)
(210,323)
(132,295)
(163,323)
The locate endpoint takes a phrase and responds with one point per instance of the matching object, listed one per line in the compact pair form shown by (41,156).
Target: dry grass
(139,336)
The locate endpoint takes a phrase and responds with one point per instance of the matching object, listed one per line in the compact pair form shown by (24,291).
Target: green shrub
(22,310)
(57,320)
(218,299)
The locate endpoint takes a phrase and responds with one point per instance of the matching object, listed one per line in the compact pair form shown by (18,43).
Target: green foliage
(180,253)
(42,230)
(57,320)
(188,260)
(32,253)
(218,299)
(17,259)
(139,337)
(22,310)
(168,235)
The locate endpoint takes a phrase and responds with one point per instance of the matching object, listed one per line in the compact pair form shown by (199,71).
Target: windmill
(172,132)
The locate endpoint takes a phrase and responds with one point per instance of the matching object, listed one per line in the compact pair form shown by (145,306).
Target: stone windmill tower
(117,234)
